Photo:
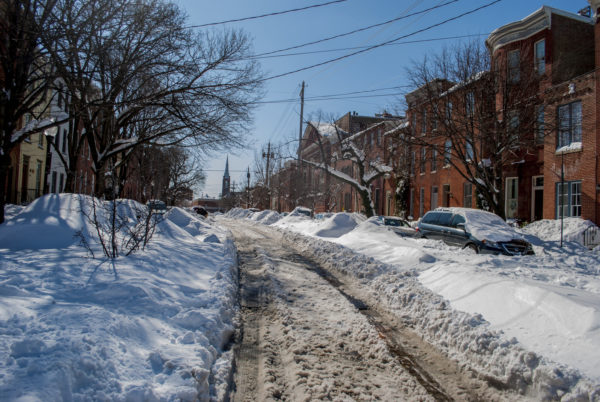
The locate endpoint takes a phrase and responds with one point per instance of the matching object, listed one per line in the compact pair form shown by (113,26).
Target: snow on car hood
(483,225)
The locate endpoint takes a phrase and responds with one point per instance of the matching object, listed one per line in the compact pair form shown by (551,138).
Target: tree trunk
(4,167)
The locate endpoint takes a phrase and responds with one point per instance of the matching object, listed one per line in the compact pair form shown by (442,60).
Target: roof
(535,22)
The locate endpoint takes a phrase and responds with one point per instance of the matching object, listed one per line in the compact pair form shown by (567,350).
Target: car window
(445,219)
(456,220)
(392,222)
(431,217)
(404,223)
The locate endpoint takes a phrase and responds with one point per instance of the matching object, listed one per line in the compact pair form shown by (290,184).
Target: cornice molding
(535,22)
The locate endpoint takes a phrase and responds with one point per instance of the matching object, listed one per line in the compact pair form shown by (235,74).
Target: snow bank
(266,217)
(550,229)
(151,326)
(338,224)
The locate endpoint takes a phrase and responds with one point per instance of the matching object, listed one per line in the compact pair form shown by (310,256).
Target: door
(537,204)
(24,179)
(512,197)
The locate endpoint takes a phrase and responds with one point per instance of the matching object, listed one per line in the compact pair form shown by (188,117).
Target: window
(514,67)
(424,121)
(540,56)
(539,125)
(41,140)
(434,118)
(468,195)
(469,153)
(378,136)
(569,124)
(61,183)
(447,152)
(421,201)
(60,95)
(448,112)
(470,104)
(412,163)
(568,199)
(413,128)
(64,142)
(434,197)
(434,155)
(423,159)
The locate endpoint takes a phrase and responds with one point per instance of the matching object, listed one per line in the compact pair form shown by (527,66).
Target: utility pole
(299,187)
(248,189)
(269,156)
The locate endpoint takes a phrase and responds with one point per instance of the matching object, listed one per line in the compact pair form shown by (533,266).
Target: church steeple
(225,191)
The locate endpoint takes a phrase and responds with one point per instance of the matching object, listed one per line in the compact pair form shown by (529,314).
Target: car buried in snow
(398,226)
(477,230)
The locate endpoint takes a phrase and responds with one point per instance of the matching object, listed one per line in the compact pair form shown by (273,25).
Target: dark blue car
(480,231)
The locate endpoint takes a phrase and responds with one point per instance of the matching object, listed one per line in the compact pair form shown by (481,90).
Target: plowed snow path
(305,336)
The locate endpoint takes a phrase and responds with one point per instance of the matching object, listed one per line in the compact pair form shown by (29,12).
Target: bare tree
(24,78)
(184,174)
(364,166)
(135,75)
(476,119)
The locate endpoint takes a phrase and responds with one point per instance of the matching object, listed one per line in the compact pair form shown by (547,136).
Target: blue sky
(382,71)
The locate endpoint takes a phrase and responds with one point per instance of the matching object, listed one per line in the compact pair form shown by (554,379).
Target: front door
(512,197)
(537,204)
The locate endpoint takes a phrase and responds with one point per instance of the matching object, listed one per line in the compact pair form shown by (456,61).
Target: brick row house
(544,68)
(324,192)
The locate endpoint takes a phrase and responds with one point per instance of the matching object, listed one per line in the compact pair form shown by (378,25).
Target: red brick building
(551,56)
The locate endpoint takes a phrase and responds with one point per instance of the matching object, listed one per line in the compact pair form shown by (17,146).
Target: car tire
(472,248)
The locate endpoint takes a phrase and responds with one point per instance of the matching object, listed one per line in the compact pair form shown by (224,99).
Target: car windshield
(392,222)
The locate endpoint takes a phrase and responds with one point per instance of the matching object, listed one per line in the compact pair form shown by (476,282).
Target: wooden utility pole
(248,189)
(268,156)
(299,186)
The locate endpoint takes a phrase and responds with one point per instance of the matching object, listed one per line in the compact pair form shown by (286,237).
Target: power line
(356,30)
(328,96)
(365,47)
(383,43)
(267,15)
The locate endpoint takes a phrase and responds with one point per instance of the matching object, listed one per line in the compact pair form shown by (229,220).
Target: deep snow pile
(530,322)
(151,326)
(550,229)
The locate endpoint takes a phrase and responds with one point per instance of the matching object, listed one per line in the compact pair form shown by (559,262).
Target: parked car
(157,206)
(398,226)
(302,211)
(201,211)
(323,215)
(480,231)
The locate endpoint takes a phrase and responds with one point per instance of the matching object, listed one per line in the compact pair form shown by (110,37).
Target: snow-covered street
(306,338)
(338,308)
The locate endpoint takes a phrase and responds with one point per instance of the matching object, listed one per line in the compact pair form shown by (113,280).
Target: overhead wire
(354,31)
(376,46)
(267,15)
(364,47)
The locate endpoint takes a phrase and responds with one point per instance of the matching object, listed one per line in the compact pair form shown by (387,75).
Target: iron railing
(591,237)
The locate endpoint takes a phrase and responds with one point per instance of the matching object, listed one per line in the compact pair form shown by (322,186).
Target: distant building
(226,188)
